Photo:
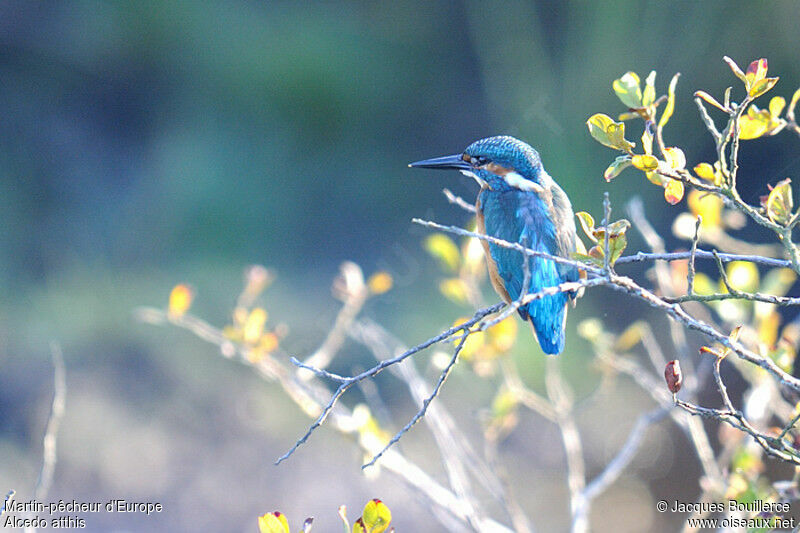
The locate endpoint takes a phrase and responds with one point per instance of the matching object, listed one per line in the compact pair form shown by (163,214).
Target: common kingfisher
(520,203)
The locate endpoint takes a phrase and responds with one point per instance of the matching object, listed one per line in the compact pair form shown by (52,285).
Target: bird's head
(500,163)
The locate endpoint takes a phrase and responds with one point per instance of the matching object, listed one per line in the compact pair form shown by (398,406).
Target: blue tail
(547,316)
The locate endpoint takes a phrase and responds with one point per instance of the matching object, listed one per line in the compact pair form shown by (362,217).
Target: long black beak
(448,161)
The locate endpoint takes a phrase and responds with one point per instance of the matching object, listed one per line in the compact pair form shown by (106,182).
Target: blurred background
(150,143)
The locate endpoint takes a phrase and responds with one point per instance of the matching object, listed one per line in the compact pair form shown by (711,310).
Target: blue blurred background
(150,143)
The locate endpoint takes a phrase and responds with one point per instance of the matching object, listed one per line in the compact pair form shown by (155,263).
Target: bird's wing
(566,238)
(521,217)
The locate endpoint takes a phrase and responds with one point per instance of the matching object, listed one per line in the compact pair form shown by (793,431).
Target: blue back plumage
(518,216)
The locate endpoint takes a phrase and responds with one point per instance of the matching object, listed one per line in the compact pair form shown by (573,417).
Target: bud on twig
(673,375)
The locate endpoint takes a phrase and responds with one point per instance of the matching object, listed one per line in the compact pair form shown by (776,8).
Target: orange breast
(497,281)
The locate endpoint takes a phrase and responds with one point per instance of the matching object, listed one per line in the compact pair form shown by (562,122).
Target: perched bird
(520,203)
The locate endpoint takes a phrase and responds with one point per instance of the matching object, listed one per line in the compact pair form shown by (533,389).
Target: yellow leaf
(442,248)
(792,104)
(503,403)
(780,202)
(268,343)
(756,72)
(670,108)
(503,335)
(708,206)
(472,252)
(180,300)
(742,275)
(735,68)
(656,179)
(629,338)
(649,95)
(619,164)
(645,162)
(254,325)
(768,328)
(587,223)
(273,523)
(607,132)
(616,136)
(647,141)
(628,90)
(703,284)
(709,99)
(776,105)
(675,158)
(380,282)
(376,516)
(762,86)
(754,124)
(707,172)
(455,289)
(673,192)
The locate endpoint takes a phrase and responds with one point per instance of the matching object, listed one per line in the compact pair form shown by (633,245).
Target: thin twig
(310,397)
(354,301)
(693,256)
(346,383)
(457,200)
(703,254)
(425,403)
(625,455)
(576,469)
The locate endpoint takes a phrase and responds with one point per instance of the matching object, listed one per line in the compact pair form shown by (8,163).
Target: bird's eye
(479,160)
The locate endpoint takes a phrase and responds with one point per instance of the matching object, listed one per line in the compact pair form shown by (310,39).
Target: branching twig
(347,382)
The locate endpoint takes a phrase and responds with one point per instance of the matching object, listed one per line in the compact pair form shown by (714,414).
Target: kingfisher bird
(520,203)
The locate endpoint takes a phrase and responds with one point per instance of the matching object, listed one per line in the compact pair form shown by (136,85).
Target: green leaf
(376,516)
(618,165)
(587,223)
(649,95)
(619,227)
(628,90)
(595,256)
(670,108)
(616,245)
(780,202)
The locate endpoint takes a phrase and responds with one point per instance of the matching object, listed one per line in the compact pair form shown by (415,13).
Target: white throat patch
(518,182)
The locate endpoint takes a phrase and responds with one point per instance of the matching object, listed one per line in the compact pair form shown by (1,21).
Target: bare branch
(425,403)
(693,256)
(457,200)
